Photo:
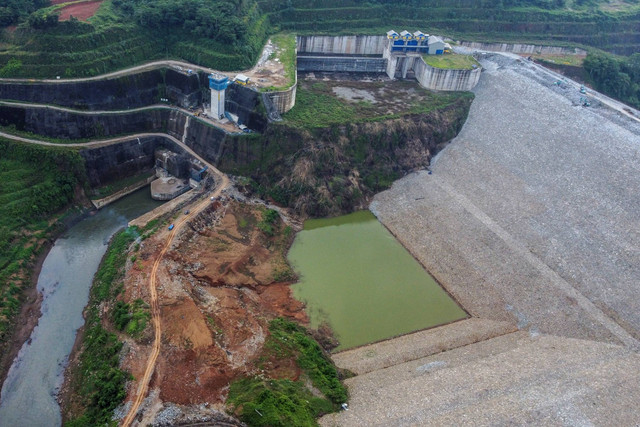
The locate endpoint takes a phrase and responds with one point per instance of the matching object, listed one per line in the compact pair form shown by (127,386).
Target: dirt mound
(218,288)
(81,11)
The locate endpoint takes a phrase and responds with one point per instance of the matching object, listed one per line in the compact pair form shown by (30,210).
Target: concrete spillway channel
(531,219)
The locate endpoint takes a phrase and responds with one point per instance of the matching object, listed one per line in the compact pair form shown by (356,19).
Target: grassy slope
(453,61)
(317,105)
(283,402)
(286,53)
(36,185)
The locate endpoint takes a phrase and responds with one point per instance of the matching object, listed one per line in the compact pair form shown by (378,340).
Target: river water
(29,393)
(355,276)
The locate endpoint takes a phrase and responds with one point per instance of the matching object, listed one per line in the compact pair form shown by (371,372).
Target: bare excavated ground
(531,218)
(218,287)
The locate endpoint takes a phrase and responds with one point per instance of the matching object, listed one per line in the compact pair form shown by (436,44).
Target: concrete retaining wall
(105,201)
(524,48)
(131,91)
(342,64)
(448,80)
(284,100)
(342,45)
(113,162)
(243,102)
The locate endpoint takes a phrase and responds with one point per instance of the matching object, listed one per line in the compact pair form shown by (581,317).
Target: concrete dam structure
(377,54)
(520,48)
(440,79)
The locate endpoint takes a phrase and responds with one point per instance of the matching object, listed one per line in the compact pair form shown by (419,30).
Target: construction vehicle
(241,79)
(583,90)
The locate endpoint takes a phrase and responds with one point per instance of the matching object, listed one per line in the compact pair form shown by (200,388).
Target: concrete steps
(515,378)
(420,344)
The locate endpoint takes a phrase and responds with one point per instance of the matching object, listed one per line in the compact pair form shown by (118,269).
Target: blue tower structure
(218,84)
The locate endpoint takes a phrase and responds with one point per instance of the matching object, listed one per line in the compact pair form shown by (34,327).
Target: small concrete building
(436,45)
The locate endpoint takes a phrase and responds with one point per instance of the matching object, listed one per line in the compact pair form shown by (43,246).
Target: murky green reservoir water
(358,278)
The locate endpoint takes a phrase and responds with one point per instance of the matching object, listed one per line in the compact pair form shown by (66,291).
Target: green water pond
(356,277)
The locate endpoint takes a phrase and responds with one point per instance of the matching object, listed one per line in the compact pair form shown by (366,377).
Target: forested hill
(222,34)
(228,35)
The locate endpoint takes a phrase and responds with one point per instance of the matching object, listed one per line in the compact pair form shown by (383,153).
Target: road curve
(186,112)
(124,72)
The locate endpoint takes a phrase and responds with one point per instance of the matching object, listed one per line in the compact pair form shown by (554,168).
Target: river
(29,393)
(355,276)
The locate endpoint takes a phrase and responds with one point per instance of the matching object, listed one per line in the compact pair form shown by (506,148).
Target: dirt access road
(265,73)
(143,386)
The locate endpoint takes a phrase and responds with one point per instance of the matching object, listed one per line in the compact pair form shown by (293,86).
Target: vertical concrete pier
(218,84)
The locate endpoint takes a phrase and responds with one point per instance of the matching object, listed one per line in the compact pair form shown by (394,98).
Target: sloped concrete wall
(349,64)
(447,80)
(524,48)
(342,45)
(284,100)
(112,162)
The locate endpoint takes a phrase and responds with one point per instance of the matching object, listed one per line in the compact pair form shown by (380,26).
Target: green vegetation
(587,23)
(98,381)
(219,34)
(285,44)
(131,318)
(229,35)
(283,402)
(344,141)
(11,129)
(452,61)
(570,60)
(318,106)
(269,219)
(617,77)
(36,185)
(13,10)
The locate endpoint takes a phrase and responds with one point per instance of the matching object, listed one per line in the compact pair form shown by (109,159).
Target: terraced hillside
(603,26)
(112,39)
(230,35)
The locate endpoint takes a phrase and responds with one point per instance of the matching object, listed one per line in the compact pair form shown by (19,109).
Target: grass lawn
(326,103)
(451,61)
(573,60)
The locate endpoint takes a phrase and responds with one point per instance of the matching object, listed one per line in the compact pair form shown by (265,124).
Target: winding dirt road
(143,386)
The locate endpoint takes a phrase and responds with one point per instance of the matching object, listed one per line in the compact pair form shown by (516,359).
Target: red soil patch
(217,294)
(81,11)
